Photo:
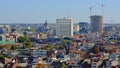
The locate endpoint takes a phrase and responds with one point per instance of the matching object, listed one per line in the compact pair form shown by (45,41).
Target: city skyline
(29,11)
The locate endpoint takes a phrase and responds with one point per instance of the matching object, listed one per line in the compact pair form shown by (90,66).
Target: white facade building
(64,27)
(76,28)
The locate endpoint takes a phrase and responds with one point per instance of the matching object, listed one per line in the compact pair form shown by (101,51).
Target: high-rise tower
(96,23)
(64,27)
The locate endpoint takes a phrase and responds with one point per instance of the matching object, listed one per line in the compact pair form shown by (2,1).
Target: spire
(45,21)
(45,24)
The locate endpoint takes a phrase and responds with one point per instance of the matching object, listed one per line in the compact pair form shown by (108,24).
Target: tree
(2,59)
(65,41)
(95,50)
(21,39)
(14,47)
(25,41)
(7,47)
(26,38)
(63,65)
(1,46)
(27,44)
(48,47)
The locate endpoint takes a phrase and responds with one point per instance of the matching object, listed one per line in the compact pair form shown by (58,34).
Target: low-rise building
(39,53)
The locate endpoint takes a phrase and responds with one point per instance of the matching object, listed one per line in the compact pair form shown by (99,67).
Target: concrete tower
(96,23)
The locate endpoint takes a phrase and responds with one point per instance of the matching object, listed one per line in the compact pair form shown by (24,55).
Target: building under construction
(96,23)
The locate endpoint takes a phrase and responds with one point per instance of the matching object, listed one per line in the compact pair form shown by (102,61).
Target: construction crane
(90,10)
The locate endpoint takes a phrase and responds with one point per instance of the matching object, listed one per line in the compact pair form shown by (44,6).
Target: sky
(37,11)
